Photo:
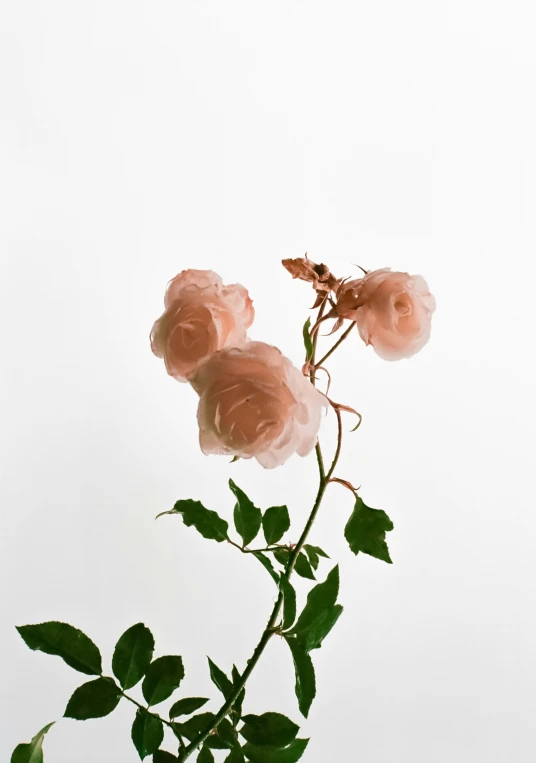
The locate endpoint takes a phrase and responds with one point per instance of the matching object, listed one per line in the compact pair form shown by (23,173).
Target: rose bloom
(393,311)
(201,317)
(255,404)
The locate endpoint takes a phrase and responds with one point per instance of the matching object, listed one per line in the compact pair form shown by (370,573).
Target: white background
(138,139)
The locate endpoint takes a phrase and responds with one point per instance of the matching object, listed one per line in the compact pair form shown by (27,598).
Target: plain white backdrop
(138,139)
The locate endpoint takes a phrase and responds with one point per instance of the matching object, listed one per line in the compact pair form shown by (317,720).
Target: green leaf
(275,523)
(281,555)
(267,564)
(220,679)
(247,517)
(163,676)
(235,756)
(186,706)
(307,341)
(320,627)
(317,550)
(215,742)
(193,726)
(31,752)
(94,699)
(319,614)
(205,521)
(366,530)
(289,603)
(303,568)
(313,554)
(163,756)
(272,729)
(132,656)
(205,755)
(73,646)
(305,686)
(147,733)
(289,754)
(236,712)
(322,596)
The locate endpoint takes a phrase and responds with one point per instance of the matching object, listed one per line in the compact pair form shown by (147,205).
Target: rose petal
(202,316)
(254,402)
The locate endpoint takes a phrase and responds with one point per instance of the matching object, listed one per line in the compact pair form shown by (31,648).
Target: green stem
(271,626)
(135,702)
(339,445)
(337,343)
(268,631)
(312,516)
(273,547)
(312,379)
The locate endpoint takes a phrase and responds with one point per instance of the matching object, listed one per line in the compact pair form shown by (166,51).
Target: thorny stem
(271,626)
(268,631)
(337,343)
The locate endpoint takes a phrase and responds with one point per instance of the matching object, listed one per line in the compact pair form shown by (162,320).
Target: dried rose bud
(307,270)
(348,298)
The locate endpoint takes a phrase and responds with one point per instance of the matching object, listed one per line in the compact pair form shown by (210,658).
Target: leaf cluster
(267,738)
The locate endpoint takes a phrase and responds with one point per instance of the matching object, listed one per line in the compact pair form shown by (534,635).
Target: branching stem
(138,704)
(271,626)
(273,547)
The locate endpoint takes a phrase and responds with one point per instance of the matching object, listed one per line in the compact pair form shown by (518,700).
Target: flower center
(402,306)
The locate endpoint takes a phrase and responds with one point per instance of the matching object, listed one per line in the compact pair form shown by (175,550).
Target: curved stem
(312,379)
(337,343)
(268,631)
(312,516)
(271,626)
(320,461)
(339,445)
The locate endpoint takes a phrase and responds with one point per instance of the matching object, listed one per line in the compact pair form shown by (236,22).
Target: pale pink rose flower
(255,404)
(201,317)
(393,311)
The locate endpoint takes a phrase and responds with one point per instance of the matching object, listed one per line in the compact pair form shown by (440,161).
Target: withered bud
(307,270)
(348,298)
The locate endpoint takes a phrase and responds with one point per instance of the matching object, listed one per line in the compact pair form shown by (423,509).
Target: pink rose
(202,316)
(255,404)
(393,311)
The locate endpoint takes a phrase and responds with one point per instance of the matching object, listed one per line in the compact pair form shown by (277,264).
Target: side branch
(337,343)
